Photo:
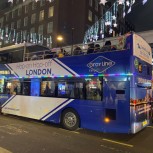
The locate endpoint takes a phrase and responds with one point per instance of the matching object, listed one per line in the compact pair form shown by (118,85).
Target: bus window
(66,89)
(79,92)
(93,89)
(1,86)
(26,87)
(13,87)
(47,88)
(35,87)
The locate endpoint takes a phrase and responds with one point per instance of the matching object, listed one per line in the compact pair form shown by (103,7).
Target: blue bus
(105,91)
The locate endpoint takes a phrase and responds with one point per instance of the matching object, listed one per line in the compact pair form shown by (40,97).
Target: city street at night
(19,135)
(76,76)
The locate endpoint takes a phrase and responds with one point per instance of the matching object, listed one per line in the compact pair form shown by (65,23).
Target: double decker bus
(105,91)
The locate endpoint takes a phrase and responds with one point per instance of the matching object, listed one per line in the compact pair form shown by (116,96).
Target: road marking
(120,143)
(2,150)
(114,149)
(69,131)
(150,127)
(75,132)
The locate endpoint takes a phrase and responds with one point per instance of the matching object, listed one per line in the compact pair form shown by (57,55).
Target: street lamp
(60,40)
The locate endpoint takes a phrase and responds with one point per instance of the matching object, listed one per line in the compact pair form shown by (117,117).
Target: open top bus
(106,91)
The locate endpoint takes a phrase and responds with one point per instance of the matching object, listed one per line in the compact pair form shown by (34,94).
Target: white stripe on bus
(11,70)
(57,109)
(8,100)
(65,66)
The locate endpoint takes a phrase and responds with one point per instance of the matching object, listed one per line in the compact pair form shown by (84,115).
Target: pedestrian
(77,51)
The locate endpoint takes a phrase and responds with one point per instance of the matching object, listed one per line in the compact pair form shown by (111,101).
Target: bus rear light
(106,120)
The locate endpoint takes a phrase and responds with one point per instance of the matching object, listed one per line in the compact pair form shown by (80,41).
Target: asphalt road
(19,135)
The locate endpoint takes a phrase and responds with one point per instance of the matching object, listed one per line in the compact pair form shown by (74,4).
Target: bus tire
(70,119)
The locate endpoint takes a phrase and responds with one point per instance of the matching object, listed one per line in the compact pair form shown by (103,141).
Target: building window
(19,11)
(90,2)
(26,9)
(41,15)
(40,29)
(32,30)
(96,18)
(1,22)
(24,35)
(90,15)
(51,12)
(33,5)
(96,5)
(42,2)
(25,21)
(50,27)
(13,14)
(12,25)
(33,18)
(7,17)
(18,24)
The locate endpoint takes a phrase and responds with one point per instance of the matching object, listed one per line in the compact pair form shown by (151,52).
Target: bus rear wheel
(70,120)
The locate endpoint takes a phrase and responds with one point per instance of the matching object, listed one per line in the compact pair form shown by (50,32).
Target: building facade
(42,21)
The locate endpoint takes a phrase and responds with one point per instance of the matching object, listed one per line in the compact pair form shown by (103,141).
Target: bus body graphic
(100,64)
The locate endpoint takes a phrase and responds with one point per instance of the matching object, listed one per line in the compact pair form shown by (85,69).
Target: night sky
(142,15)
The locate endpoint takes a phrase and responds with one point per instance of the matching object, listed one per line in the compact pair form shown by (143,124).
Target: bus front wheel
(70,119)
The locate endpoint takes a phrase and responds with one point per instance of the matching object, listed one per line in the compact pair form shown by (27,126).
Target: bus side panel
(50,109)
(117,107)
(91,114)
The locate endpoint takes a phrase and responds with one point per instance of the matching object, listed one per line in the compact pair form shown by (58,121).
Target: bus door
(116,97)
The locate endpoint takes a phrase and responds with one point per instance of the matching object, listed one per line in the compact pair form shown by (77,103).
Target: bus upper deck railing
(38,55)
(46,54)
(110,44)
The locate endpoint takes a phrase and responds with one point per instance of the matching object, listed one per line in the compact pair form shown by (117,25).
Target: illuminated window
(51,12)
(90,15)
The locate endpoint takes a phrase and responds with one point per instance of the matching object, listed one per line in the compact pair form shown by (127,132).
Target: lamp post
(72,41)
